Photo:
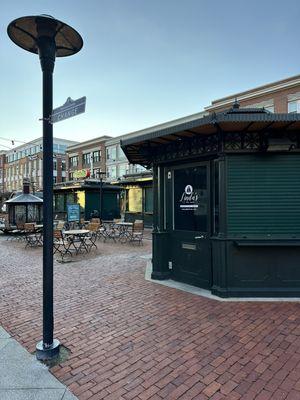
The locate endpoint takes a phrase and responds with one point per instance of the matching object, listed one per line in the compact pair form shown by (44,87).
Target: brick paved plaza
(133,339)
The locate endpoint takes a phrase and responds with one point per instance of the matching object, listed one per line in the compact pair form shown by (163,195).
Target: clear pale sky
(145,62)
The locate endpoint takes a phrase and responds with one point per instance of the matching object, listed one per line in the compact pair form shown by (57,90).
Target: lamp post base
(44,354)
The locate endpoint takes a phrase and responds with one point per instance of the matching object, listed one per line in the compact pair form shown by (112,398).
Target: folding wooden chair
(137,232)
(60,243)
(32,237)
(90,239)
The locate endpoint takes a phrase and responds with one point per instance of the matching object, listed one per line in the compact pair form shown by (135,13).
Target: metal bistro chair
(137,232)
(60,224)
(32,237)
(60,243)
(91,238)
(96,220)
(18,233)
(111,231)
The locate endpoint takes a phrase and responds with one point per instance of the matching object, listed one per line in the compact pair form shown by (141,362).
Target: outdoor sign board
(81,173)
(190,199)
(73,212)
(69,109)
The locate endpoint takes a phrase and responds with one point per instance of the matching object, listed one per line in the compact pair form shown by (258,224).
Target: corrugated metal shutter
(263,195)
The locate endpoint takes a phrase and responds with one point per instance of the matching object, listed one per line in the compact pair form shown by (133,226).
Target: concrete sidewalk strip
(33,394)
(22,377)
(3,334)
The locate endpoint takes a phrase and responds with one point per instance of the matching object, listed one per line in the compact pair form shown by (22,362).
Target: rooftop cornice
(256,92)
(36,142)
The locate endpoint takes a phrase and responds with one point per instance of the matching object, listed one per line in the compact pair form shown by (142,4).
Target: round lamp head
(26,31)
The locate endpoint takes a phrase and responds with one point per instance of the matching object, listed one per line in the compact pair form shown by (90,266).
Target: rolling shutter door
(263,195)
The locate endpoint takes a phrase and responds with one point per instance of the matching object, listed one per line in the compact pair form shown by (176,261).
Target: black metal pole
(48,37)
(101,197)
(47,50)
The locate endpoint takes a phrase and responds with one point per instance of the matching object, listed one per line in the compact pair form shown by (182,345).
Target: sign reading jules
(189,199)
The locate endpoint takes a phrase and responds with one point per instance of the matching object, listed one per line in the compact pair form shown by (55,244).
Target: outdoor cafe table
(123,228)
(80,234)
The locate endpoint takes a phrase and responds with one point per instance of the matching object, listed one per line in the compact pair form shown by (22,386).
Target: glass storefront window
(135,200)
(70,198)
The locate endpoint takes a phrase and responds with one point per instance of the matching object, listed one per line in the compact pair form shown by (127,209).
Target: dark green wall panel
(263,195)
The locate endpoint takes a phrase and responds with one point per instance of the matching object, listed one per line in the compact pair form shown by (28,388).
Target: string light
(13,141)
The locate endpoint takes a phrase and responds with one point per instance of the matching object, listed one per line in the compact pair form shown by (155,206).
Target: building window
(293,106)
(73,161)
(71,176)
(54,179)
(54,165)
(59,202)
(62,148)
(122,170)
(86,158)
(96,173)
(96,156)
(269,108)
(121,153)
(140,168)
(111,172)
(63,165)
(111,153)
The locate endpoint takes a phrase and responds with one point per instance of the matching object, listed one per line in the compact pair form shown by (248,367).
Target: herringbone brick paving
(134,339)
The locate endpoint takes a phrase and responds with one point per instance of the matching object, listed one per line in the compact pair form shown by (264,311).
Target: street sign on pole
(69,109)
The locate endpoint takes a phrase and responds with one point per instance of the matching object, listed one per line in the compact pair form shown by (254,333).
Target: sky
(145,62)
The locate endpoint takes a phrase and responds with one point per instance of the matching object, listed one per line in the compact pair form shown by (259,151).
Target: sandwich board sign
(73,212)
(69,109)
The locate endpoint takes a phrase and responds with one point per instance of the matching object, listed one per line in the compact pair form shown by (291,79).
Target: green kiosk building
(226,201)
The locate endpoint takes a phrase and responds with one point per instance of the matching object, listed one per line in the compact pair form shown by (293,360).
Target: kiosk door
(188,223)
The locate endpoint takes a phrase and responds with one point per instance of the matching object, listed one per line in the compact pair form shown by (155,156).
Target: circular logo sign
(188,189)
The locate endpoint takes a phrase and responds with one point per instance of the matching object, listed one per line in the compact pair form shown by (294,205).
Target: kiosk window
(190,199)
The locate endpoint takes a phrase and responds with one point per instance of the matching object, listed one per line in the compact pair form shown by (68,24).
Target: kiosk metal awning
(246,120)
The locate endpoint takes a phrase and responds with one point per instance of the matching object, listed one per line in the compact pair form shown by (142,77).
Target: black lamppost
(49,38)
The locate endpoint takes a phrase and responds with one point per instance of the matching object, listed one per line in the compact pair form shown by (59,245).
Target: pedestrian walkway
(132,339)
(22,377)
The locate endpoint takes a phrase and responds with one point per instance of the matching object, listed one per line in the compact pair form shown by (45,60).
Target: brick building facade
(280,97)
(86,159)
(26,161)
